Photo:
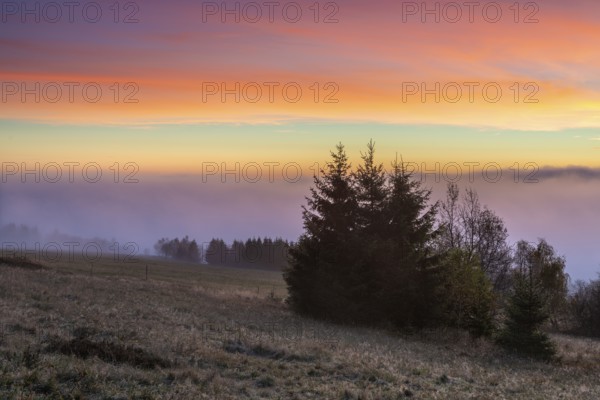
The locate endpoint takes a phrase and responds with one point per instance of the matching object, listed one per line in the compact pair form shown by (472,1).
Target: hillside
(190,332)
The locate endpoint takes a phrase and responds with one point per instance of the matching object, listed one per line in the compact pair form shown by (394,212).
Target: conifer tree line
(253,253)
(376,251)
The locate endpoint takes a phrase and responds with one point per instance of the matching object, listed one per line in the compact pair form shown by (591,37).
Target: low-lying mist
(561,207)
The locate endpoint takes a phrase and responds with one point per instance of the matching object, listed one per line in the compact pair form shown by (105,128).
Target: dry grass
(72,335)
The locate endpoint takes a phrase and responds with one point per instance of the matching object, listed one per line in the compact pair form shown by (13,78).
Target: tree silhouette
(319,263)
(526,314)
(478,231)
(410,278)
(183,249)
(548,270)
(467,294)
(584,305)
(216,252)
(366,254)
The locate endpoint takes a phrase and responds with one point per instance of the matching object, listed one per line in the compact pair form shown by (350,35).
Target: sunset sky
(503,84)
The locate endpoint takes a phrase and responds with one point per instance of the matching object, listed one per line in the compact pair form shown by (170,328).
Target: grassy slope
(196,332)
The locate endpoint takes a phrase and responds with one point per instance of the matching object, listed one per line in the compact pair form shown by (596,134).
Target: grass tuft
(84,348)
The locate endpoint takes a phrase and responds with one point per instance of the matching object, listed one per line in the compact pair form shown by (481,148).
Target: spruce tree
(366,255)
(371,192)
(409,278)
(526,313)
(370,181)
(317,276)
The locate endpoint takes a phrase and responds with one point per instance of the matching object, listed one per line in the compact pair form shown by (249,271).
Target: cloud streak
(369,53)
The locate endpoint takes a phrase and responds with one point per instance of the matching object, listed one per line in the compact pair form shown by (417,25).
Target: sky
(174,102)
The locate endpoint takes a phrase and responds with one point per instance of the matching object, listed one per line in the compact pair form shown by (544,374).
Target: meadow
(71,330)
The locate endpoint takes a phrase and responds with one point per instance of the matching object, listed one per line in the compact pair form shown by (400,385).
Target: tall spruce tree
(372,192)
(408,280)
(317,277)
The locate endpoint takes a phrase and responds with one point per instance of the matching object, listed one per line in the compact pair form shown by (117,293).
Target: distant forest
(251,253)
